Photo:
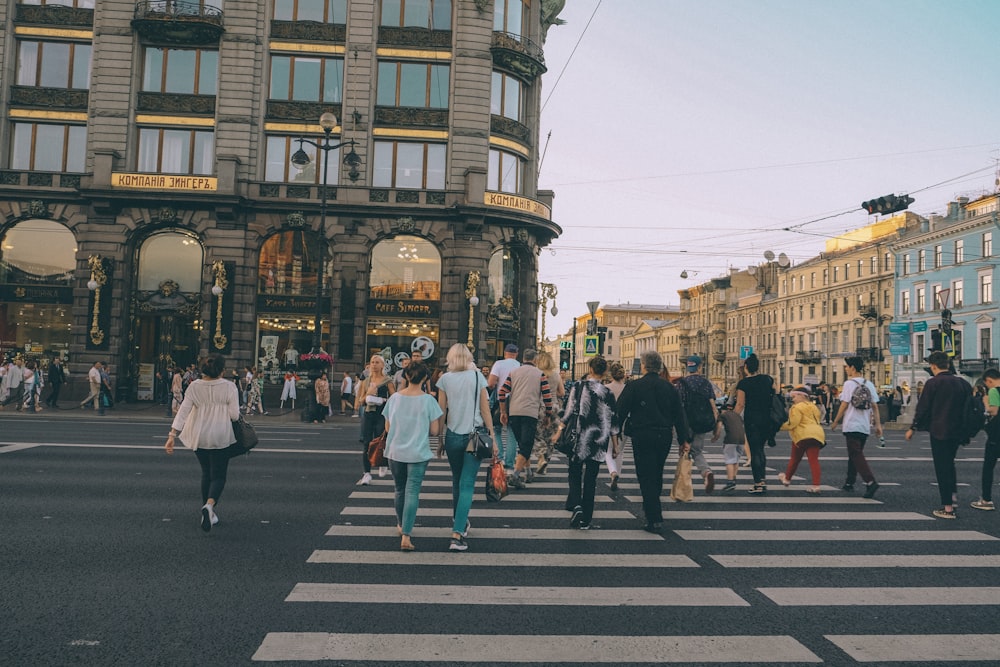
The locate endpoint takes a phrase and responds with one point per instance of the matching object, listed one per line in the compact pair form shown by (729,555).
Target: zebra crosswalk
(714,588)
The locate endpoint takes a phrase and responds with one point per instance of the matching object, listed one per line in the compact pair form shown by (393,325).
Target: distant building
(616,321)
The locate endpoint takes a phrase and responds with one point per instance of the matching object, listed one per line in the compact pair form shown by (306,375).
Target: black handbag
(480,441)
(570,434)
(245,434)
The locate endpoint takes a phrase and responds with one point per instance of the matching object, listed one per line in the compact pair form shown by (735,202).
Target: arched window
(404,299)
(171,256)
(503,322)
(288,263)
(37,259)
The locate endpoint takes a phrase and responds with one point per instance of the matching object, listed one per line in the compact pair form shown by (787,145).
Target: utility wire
(563,70)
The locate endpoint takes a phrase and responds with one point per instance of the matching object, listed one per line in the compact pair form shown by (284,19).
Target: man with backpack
(991,453)
(698,399)
(858,412)
(941,410)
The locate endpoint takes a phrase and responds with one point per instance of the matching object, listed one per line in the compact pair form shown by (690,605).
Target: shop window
(399,164)
(412,85)
(171,256)
(321,11)
(432,14)
(45,147)
(53,64)
(404,299)
(171,151)
(180,71)
(307,79)
(505,172)
(288,264)
(278,167)
(505,96)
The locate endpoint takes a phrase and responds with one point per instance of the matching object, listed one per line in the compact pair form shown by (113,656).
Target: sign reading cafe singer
(399,308)
(524,204)
(164,182)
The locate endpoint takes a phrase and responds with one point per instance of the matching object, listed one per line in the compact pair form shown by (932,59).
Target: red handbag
(376,451)
(496,482)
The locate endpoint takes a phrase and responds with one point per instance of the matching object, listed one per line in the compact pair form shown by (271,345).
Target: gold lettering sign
(501,200)
(163,182)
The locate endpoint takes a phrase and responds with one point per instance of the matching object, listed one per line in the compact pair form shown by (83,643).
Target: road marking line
(583,596)
(518,533)
(488,513)
(516,497)
(344,557)
(447,483)
(884,597)
(867,560)
(771,500)
(836,535)
(6,449)
(918,648)
(800,516)
(566,649)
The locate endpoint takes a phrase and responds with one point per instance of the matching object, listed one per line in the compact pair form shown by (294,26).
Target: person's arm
(502,399)
(233,402)
(435,421)
(443,404)
(741,402)
(546,393)
(492,381)
(718,428)
(794,419)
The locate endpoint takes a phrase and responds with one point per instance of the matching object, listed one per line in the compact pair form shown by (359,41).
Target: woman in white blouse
(205,424)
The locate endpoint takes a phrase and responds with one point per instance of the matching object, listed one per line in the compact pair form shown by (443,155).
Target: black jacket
(651,404)
(941,407)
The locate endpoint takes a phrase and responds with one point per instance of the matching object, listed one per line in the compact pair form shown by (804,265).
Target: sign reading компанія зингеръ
(518,203)
(164,182)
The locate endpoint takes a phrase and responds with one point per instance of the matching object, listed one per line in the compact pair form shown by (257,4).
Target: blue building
(948,263)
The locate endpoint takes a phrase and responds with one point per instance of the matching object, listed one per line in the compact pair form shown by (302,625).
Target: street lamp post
(300,160)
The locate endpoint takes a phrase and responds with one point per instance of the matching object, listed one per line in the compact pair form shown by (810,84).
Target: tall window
(288,263)
(936,296)
(170,151)
(44,147)
(921,299)
(958,293)
(904,303)
(400,164)
(185,71)
(847,271)
(985,343)
(433,14)
(987,244)
(959,251)
(53,64)
(921,260)
(307,79)
(836,273)
(505,97)
(985,288)
(906,264)
(508,15)
(412,85)
(812,279)
(321,11)
(278,167)
(938,256)
(826,276)
(887,261)
(861,267)
(873,265)
(505,172)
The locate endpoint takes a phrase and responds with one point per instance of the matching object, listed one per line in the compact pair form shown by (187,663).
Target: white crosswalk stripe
(528,532)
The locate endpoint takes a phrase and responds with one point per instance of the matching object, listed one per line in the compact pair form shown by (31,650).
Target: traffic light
(956,343)
(887,204)
(601,333)
(564,358)
(936,342)
(946,321)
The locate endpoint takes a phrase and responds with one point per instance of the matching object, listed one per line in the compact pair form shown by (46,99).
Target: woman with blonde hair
(375,390)
(465,407)
(548,422)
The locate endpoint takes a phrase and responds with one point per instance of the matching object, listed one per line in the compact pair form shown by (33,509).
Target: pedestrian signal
(564,355)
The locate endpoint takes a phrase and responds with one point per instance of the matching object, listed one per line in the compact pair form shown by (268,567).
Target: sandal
(813,490)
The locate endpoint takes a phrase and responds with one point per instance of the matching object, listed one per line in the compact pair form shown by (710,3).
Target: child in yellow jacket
(808,437)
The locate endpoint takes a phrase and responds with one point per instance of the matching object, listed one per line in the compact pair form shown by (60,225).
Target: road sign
(746,351)
(899,328)
(566,345)
(590,346)
(919,327)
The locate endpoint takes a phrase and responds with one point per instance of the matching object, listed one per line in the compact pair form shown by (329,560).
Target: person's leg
(399,472)
(943,452)
(649,455)
(219,464)
(367,435)
(206,473)
(466,492)
(411,502)
(590,472)
(526,430)
(990,456)
(794,458)
(508,445)
(575,496)
(454,448)
(855,451)
(852,473)
(812,453)
(698,461)
(758,460)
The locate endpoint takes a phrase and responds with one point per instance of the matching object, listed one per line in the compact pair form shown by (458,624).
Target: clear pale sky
(690,134)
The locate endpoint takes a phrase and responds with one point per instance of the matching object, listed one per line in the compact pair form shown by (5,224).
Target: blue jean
(464,469)
(408,478)
(508,445)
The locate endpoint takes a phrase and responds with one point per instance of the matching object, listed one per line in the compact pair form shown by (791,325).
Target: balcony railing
(808,356)
(178,22)
(518,55)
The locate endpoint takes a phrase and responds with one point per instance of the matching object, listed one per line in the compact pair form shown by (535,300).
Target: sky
(694,135)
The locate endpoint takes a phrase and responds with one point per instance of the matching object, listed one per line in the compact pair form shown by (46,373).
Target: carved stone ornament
(49,98)
(378,195)
(166,215)
(177,103)
(407,197)
(296,219)
(521,236)
(503,315)
(168,299)
(406,225)
(305,111)
(309,30)
(411,116)
(39,179)
(419,37)
(511,128)
(37,209)
(482,5)
(436,198)
(53,15)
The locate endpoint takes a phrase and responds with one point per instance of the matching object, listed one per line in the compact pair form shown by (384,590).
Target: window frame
(39,56)
(500,109)
(192,149)
(327,19)
(432,13)
(400,67)
(293,58)
(165,73)
(67,141)
(395,166)
(502,156)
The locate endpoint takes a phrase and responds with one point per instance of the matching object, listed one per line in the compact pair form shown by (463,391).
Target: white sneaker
(366,479)
(215,517)
(206,517)
(382,471)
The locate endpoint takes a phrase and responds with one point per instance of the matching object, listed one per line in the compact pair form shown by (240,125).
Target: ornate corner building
(164,195)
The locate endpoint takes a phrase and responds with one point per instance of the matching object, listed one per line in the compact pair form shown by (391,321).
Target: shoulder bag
(480,441)
(566,444)
(496,482)
(376,450)
(246,436)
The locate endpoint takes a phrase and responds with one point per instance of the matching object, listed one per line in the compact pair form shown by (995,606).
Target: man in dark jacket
(940,411)
(57,375)
(649,409)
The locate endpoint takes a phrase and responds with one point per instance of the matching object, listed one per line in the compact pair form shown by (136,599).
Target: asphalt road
(105,563)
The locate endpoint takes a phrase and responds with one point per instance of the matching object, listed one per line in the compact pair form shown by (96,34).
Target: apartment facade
(171,187)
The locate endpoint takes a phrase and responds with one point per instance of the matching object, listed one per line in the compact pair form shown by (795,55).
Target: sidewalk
(135,411)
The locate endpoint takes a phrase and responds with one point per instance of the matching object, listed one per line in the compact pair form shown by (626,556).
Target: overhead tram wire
(572,53)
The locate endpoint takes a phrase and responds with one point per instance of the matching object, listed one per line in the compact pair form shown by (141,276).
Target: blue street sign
(900,327)
(746,351)
(919,326)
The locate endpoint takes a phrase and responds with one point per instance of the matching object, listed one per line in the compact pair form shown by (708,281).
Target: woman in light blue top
(411,417)
(463,398)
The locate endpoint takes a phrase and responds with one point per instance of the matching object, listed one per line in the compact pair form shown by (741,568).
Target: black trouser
(649,454)
(16,396)
(53,398)
(990,456)
(943,452)
(583,486)
(372,425)
(524,429)
(757,438)
(214,466)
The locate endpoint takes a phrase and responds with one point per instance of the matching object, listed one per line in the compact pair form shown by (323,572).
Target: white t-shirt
(463,389)
(346,385)
(502,369)
(857,421)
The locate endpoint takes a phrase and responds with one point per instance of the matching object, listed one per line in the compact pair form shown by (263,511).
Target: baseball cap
(693,363)
(510,348)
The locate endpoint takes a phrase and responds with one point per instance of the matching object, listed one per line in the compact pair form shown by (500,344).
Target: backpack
(698,411)
(973,416)
(779,411)
(861,398)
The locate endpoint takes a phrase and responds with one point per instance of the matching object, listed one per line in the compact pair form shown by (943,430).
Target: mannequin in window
(288,391)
